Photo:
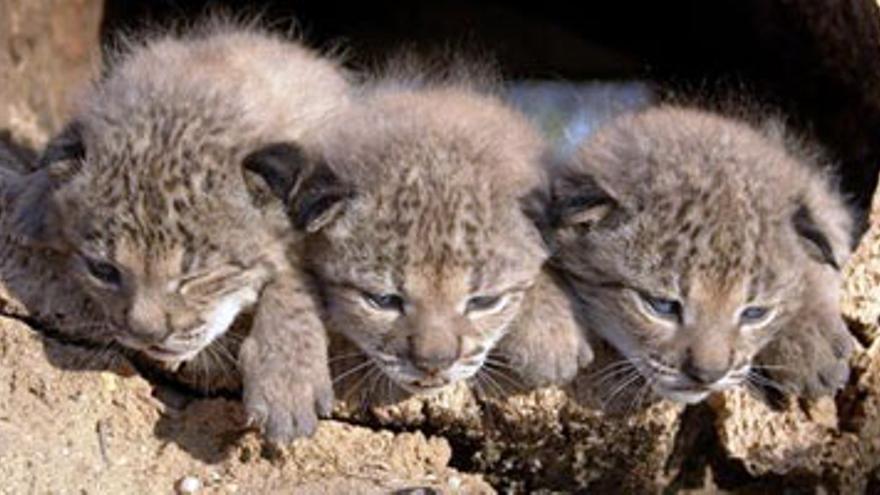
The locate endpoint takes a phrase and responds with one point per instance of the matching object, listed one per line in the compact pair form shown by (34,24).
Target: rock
(861,299)
(78,435)
(188,485)
(48,48)
(541,439)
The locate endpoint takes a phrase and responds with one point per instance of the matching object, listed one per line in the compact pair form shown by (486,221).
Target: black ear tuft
(579,200)
(319,198)
(816,241)
(279,165)
(313,193)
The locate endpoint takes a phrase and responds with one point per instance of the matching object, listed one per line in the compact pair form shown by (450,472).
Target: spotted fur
(421,247)
(146,197)
(706,250)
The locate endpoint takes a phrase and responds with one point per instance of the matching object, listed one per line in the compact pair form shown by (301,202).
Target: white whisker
(353,369)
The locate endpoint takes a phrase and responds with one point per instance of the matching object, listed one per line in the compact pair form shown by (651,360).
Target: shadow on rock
(208,429)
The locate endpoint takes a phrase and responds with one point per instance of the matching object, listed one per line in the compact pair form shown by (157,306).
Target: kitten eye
(753,314)
(665,308)
(385,302)
(104,271)
(482,303)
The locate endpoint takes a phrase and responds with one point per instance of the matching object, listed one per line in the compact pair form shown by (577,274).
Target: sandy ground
(88,432)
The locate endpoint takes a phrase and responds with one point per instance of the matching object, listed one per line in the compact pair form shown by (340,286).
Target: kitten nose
(434,364)
(147,321)
(701,375)
(431,354)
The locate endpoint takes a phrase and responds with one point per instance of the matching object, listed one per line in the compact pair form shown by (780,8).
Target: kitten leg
(545,344)
(285,371)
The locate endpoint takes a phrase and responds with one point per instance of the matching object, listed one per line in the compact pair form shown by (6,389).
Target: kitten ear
(35,218)
(824,232)
(313,193)
(579,200)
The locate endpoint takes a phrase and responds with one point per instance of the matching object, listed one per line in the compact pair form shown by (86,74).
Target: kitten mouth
(692,394)
(170,357)
(682,394)
(159,353)
(431,382)
(426,384)
(671,385)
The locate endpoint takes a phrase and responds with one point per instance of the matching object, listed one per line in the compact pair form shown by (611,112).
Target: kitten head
(134,203)
(687,237)
(146,196)
(417,235)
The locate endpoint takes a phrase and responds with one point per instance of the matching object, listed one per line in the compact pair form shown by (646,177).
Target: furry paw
(546,345)
(811,360)
(556,361)
(284,400)
(555,366)
(288,413)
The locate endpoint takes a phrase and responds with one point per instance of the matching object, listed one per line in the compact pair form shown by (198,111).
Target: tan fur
(432,224)
(686,206)
(545,344)
(160,200)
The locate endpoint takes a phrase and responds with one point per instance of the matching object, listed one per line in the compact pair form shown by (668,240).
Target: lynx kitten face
(418,240)
(694,241)
(141,252)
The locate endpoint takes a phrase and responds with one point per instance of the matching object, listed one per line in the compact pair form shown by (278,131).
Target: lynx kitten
(146,198)
(707,252)
(427,261)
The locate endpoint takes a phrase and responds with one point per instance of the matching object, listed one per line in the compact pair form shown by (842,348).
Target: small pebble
(454,483)
(188,485)
(109,381)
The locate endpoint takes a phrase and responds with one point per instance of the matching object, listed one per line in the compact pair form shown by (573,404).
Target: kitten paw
(284,397)
(556,363)
(830,370)
(287,414)
(811,361)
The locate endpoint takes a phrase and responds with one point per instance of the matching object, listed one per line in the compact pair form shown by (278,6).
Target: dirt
(64,431)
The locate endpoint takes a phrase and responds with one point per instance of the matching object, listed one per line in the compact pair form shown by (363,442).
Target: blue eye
(385,302)
(665,308)
(753,314)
